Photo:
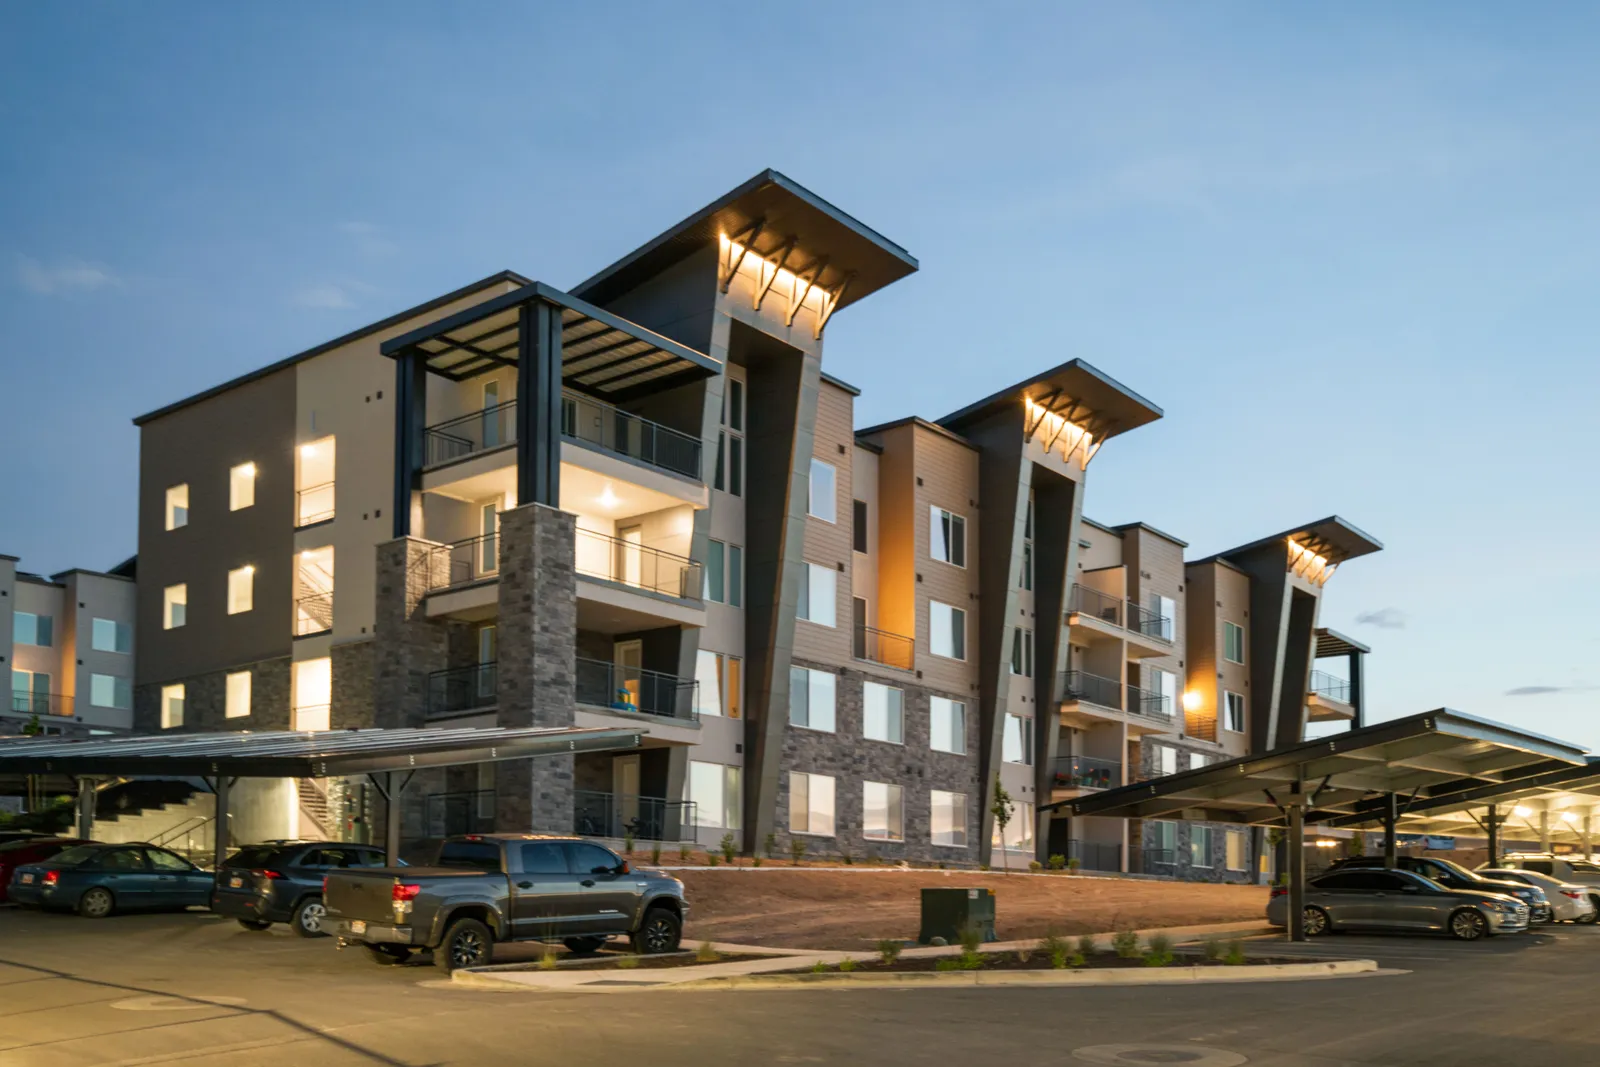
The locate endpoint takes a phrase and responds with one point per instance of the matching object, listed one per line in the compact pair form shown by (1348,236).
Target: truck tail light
(1280,891)
(51,877)
(403,893)
(324,885)
(269,875)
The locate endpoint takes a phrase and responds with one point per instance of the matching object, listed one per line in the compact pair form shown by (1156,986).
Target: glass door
(625,793)
(489,547)
(630,553)
(628,656)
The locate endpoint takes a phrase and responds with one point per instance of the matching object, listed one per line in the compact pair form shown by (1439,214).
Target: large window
(241,590)
(947,631)
(1200,846)
(110,691)
(30,691)
(31,629)
(314,473)
(949,818)
(172,697)
(823,492)
(1021,652)
(1019,831)
(721,684)
(817,594)
(1026,581)
(947,537)
(1166,760)
(810,804)
(724,571)
(1165,685)
(811,699)
(714,789)
(729,475)
(882,812)
(1164,838)
(1238,845)
(238,695)
(1017,744)
(1166,611)
(1232,643)
(108,635)
(1234,718)
(312,682)
(883,712)
(177,506)
(947,725)
(241,486)
(313,595)
(174,606)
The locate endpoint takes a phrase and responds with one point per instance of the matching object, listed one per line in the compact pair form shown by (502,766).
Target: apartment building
(68,642)
(640,501)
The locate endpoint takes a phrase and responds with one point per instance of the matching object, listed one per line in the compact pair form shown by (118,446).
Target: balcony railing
(594,422)
(620,815)
(1148,703)
(1095,855)
(617,559)
(466,812)
(1157,860)
(1149,623)
(41,704)
(1087,772)
(603,684)
(313,504)
(1077,685)
(462,689)
(464,561)
(478,431)
(1103,606)
(881,646)
(1327,685)
(313,614)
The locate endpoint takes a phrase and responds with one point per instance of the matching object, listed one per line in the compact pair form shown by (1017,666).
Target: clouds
(1545,690)
(1384,619)
(64,276)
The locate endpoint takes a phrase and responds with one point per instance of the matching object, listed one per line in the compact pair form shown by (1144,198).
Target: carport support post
(1296,869)
(1491,826)
(392,787)
(1391,817)
(86,808)
(219,822)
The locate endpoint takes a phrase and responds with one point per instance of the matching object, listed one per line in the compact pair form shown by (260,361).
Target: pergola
(389,757)
(1375,775)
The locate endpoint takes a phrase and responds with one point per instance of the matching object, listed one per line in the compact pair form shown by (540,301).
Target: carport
(387,757)
(1375,775)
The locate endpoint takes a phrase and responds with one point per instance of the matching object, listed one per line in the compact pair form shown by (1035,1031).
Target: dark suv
(1454,876)
(281,882)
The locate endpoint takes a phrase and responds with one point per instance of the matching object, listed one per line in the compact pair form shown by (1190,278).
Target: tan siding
(949,473)
(1233,590)
(1203,633)
(897,544)
(828,543)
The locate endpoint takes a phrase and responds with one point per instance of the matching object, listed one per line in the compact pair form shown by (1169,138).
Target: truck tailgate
(369,894)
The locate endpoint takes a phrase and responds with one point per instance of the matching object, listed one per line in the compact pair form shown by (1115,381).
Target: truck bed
(367,893)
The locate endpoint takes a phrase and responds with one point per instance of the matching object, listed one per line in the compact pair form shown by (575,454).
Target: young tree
(1001,809)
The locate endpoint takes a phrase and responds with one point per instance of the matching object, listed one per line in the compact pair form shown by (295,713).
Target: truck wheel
(308,916)
(387,955)
(467,943)
(660,932)
(584,946)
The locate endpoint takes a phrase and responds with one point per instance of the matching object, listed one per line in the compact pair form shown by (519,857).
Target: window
(883,713)
(1198,760)
(730,441)
(947,725)
(1026,581)
(177,506)
(470,856)
(109,691)
(314,473)
(817,594)
(714,789)
(1166,761)
(1232,643)
(31,629)
(585,858)
(241,590)
(1019,831)
(1238,844)
(949,818)
(238,695)
(1165,685)
(1165,610)
(162,860)
(724,583)
(1021,652)
(544,857)
(30,692)
(811,699)
(313,593)
(1164,836)
(1200,846)
(174,606)
(241,486)
(1233,712)
(721,679)
(882,812)
(1017,743)
(947,537)
(810,804)
(858,525)
(822,491)
(947,631)
(108,635)
(172,705)
(312,683)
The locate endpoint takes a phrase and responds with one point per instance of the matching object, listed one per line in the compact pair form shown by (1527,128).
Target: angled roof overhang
(1078,392)
(1436,754)
(1333,643)
(1332,538)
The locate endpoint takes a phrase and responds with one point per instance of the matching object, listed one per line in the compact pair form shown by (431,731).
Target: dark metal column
(1358,691)
(1491,826)
(86,796)
(410,417)
(539,404)
(219,822)
(392,789)
(1297,866)
(1391,817)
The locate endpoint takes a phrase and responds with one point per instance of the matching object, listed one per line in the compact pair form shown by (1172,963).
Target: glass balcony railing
(603,684)
(1330,687)
(1087,772)
(41,704)
(630,562)
(463,562)
(463,689)
(881,646)
(478,431)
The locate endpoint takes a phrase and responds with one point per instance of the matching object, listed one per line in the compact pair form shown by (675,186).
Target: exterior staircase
(314,809)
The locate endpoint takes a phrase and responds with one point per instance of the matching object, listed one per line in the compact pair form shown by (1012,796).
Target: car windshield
(252,856)
(18,846)
(72,857)
(1585,867)
(1451,865)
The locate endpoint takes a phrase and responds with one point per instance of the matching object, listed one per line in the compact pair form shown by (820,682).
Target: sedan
(14,854)
(281,882)
(1571,902)
(97,880)
(1380,899)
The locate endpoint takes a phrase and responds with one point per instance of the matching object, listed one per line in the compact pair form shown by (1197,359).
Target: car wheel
(387,955)
(254,924)
(307,921)
(1316,921)
(660,932)
(584,946)
(1593,916)
(1468,924)
(96,903)
(467,943)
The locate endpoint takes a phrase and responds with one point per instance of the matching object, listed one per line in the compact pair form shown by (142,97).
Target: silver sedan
(1570,902)
(1381,899)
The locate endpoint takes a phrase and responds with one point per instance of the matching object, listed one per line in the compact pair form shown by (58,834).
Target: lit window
(1235,712)
(822,491)
(312,683)
(1166,759)
(1200,846)
(1163,610)
(30,629)
(810,804)
(949,818)
(1021,652)
(241,590)
(313,597)
(172,705)
(947,725)
(241,486)
(714,791)
(724,574)
(947,631)
(811,699)
(947,537)
(882,812)
(1198,759)
(883,713)
(1237,846)
(1017,744)
(174,606)
(720,687)
(238,695)
(110,691)
(1232,643)
(1019,831)
(817,594)
(108,635)
(314,474)
(177,506)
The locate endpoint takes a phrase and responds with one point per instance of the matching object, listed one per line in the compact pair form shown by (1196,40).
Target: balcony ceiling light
(308,451)
(1191,700)
(248,470)
(609,499)
(1521,812)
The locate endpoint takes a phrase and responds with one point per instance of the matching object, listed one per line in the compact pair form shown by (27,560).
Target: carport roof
(1558,789)
(1347,777)
(298,754)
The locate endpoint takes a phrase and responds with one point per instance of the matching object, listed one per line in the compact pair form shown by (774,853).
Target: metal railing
(41,704)
(621,814)
(1095,855)
(477,431)
(1157,860)
(1103,606)
(469,811)
(313,504)
(1149,623)
(603,684)
(583,418)
(1330,686)
(634,563)
(1148,703)
(313,614)
(881,646)
(1087,772)
(464,561)
(462,689)
(1077,685)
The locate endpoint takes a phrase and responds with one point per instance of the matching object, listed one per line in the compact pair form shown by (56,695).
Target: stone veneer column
(537,638)
(408,646)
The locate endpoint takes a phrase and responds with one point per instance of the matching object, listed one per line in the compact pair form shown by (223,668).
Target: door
(628,677)
(546,900)
(178,883)
(630,556)
(489,546)
(858,619)
(610,898)
(125,872)
(625,796)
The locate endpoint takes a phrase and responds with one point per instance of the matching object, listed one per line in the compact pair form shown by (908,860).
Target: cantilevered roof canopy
(601,353)
(1078,392)
(297,754)
(1567,793)
(1332,538)
(1437,754)
(1334,643)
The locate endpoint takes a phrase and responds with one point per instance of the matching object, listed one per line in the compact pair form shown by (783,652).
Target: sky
(1350,250)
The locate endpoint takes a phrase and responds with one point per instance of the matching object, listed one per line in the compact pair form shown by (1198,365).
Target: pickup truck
(486,888)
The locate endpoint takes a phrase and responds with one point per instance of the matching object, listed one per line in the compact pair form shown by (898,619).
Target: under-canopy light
(771,271)
(1055,432)
(1308,564)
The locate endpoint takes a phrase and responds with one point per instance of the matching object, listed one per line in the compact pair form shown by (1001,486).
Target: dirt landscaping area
(832,909)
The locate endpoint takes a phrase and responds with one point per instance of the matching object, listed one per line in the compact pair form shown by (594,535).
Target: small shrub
(967,961)
(983,866)
(628,962)
(771,845)
(683,853)
(1126,944)
(755,861)
(1159,954)
(1034,866)
(711,859)
(818,967)
(706,954)
(627,842)
(547,957)
(1024,955)
(874,859)
(730,848)
(971,936)
(1076,960)
(1073,864)
(1086,945)
(1233,955)
(847,965)
(655,855)
(797,850)
(1212,949)
(1054,948)
(941,865)
(889,950)
(1058,862)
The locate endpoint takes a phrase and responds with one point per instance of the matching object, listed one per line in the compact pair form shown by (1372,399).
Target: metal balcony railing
(619,815)
(1330,686)
(41,704)
(1095,855)
(477,431)
(1148,703)
(462,689)
(1149,623)
(1157,860)
(1103,606)
(881,646)
(603,684)
(313,504)
(583,418)
(313,614)
(1077,685)
(464,561)
(618,559)
(469,811)
(1087,772)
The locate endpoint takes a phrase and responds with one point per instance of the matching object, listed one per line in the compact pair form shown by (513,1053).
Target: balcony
(1101,607)
(1147,623)
(1088,700)
(462,690)
(634,564)
(1094,612)
(1082,687)
(479,431)
(1095,855)
(464,562)
(1087,772)
(1151,705)
(621,815)
(41,704)
(883,648)
(1328,698)
(635,691)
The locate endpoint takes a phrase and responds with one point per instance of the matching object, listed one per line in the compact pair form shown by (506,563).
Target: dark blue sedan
(96,880)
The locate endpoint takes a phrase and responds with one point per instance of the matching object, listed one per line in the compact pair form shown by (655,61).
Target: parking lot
(192,988)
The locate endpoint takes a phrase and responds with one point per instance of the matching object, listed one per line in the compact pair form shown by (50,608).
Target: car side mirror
(623,868)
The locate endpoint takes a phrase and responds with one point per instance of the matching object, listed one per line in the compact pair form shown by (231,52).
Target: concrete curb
(1129,976)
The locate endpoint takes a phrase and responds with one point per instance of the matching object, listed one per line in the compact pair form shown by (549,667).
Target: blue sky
(1351,250)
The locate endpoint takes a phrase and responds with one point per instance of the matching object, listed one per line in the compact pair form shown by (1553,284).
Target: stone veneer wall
(851,759)
(205,701)
(408,646)
(1183,866)
(352,705)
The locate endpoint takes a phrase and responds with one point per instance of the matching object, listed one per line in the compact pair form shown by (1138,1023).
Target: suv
(504,887)
(281,882)
(1454,876)
(1573,869)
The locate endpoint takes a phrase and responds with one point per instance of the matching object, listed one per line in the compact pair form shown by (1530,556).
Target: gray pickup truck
(504,887)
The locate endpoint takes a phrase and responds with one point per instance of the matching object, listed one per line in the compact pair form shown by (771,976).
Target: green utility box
(946,912)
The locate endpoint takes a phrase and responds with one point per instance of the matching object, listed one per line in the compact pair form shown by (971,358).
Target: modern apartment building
(641,501)
(67,641)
